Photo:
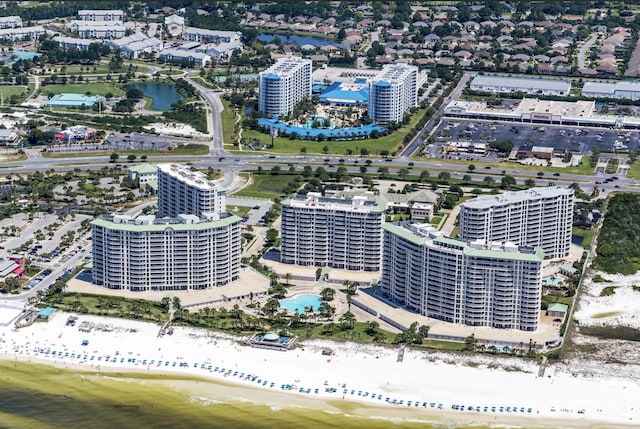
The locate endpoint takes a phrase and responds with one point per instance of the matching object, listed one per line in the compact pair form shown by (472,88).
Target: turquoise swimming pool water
(298,303)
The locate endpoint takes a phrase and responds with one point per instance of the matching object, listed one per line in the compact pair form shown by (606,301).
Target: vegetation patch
(608,291)
(612,166)
(625,333)
(265,186)
(618,248)
(599,279)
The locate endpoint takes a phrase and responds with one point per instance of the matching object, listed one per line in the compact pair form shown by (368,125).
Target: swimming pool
(552,280)
(298,303)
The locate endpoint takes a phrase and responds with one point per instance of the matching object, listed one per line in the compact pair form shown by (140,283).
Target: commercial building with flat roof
(185,252)
(393,93)
(283,84)
(72,100)
(520,84)
(624,90)
(332,232)
(536,217)
(181,190)
(474,284)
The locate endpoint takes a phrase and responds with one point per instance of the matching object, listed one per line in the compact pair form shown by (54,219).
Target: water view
(43,396)
(162,95)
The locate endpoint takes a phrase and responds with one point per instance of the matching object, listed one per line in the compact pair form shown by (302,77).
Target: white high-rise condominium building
(283,84)
(182,253)
(474,284)
(332,232)
(393,92)
(536,217)
(181,190)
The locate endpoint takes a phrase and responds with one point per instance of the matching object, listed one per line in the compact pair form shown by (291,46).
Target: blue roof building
(346,94)
(72,100)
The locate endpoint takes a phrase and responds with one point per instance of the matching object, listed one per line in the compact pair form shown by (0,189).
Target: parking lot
(577,140)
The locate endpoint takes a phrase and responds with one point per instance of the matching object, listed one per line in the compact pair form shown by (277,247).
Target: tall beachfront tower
(393,92)
(182,191)
(152,254)
(283,84)
(475,284)
(332,232)
(536,217)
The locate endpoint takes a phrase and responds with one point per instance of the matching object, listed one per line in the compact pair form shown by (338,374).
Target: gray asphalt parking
(577,140)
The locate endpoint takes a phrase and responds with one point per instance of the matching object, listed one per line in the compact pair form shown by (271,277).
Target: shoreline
(343,383)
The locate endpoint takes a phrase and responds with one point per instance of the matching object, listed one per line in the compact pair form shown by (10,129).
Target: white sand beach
(422,385)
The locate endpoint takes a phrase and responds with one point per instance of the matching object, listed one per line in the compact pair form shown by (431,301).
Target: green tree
(131,158)
(508,182)
(114,157)
(327,294)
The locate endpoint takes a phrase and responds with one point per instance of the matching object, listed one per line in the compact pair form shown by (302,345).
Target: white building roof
(516,197)
(599,87)
(522,82)
(394,73)
(287,66)
(196,179)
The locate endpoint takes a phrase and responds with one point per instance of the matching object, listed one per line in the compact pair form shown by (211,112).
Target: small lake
(299,40)
(162,95)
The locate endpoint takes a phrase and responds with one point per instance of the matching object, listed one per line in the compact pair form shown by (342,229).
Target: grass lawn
(285,145)
(228,119)
(95,88)
(86,70)
(586,234)
(265,186)
(238,210)
(634,171)
(8,90)
(190,149)
(496,167)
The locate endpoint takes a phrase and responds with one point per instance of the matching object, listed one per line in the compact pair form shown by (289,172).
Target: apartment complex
(474,284)
(100,15)
(22,33)
(98,29)
(181,191)
(180,253)
(283,84)
(10,22)
(194,34)
(332,232)
(393,92)
(536,217)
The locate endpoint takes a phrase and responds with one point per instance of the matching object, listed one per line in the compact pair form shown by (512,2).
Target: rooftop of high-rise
(517,197)
(317,201)
(196,179)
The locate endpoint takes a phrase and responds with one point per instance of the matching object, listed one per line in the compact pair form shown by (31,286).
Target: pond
(299,40)
(162,95)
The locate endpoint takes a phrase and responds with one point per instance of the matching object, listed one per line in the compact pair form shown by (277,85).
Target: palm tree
(348,320)
(327,294)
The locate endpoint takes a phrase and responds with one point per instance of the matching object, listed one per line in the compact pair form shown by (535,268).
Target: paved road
(214,120)
(431,125)
(584,49)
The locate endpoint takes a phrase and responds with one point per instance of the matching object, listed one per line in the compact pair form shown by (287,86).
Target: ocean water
(40,396)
